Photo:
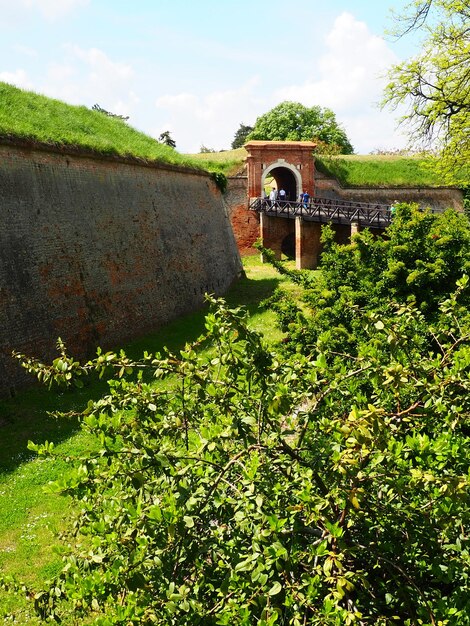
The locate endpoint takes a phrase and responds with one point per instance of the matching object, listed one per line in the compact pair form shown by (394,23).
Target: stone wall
(100,251)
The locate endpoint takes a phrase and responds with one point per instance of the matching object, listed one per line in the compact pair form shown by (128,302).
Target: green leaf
(275,589)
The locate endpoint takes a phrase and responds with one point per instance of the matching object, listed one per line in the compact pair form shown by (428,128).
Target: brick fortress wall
(100,251)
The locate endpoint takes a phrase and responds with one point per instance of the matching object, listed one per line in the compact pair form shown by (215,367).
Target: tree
(205,150)
(435,85)
(97,107)
(166,139)
(241,135)
(292,121)
(327,486)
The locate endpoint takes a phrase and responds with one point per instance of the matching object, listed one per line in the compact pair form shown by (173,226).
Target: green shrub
(327,485)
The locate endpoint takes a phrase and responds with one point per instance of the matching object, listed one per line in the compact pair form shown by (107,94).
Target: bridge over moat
(289,166)
(295,227)
(288,225)
(327,210)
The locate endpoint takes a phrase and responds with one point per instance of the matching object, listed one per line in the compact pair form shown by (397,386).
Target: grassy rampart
(35,118)
(351,171)
(31,117)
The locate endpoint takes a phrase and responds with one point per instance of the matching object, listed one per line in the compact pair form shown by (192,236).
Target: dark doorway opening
(285,179)
(288,246)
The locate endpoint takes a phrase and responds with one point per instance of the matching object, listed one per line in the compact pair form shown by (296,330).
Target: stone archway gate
(292,167)
(285,161)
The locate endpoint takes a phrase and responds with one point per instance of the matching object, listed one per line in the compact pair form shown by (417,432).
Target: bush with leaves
(418,261)
(324,485)
(253,489)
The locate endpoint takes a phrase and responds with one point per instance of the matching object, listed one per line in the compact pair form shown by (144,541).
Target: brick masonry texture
(101,251)
(245,223)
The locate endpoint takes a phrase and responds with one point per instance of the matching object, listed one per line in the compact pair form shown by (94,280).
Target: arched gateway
(291,166)
(289,163)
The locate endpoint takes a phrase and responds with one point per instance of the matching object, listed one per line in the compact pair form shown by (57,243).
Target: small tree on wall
(166,139)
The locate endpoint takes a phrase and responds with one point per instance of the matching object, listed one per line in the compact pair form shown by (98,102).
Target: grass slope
(380,171)
(35,118)
(32,117)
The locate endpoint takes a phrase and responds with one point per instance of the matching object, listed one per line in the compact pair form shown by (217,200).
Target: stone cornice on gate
(296,155)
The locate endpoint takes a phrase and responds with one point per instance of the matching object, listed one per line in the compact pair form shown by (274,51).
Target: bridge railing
(326,210)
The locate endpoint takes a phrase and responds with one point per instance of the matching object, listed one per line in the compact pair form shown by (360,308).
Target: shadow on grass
(25,417)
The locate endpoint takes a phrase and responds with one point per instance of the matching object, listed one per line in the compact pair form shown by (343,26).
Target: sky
(200,68)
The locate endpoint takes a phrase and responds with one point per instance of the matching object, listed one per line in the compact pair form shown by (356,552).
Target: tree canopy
(292,121)
(435,84)
(241,135)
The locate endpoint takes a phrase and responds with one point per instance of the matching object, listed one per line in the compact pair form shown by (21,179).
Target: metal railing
(326,210)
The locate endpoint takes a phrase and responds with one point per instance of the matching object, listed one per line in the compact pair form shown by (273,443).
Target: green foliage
(262,491)
(97,107)
(292,121)
(166,139)
(30,522)
(326,484)
(418,262)
(220,180)
(435,84)
(241,135)
(32,117)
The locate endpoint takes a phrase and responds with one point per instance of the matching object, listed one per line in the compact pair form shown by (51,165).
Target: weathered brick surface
(101,251)
(245,223)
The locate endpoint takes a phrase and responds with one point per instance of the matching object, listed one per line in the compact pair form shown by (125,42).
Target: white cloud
(210,120)
(25,51)
(348,77)
(18,78)
(89,76)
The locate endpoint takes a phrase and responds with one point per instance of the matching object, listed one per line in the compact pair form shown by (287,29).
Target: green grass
(35,118)
(379,171)
(229,162)
(29,519)
(350,170)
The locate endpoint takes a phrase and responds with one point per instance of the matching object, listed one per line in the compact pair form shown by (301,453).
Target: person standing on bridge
(272,196)
(282,195)
(305,199)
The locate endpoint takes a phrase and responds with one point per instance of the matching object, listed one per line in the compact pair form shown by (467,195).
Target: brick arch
(290,178)
(294,156)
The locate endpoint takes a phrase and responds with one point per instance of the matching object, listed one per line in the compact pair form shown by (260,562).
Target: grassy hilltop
(35,118)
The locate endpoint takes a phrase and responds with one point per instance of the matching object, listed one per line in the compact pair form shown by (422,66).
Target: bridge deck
(326,210)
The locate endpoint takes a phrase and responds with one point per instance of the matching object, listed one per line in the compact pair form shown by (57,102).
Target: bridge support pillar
(272,232)
(307,244)
(355,228)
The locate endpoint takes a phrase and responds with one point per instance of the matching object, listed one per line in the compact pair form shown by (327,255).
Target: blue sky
(200,68)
